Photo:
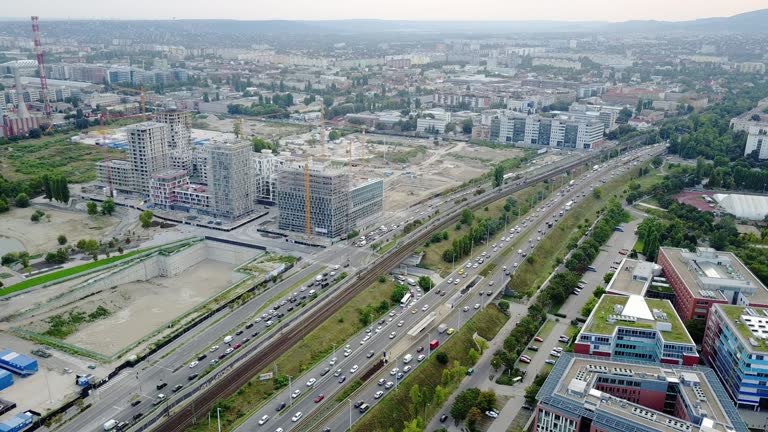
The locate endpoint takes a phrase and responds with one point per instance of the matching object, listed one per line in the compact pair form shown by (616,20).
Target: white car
(456,282)
(332,362)
(392,335)
(353,369)
(492,414)
(214,348)
(466,308)
(311,382)
(450,280)
(229,350)
(296,417)
(394,371)
(424,308)
(421,358)
(400,323)
(389,385)
(407,369)
(378,394)
(295,393)
(477,305)
(193,364)
(263,419)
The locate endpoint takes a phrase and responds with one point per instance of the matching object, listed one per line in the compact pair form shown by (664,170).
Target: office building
(328,196)
(757,141)
(561,131)
(736,347)
(148,152)
(366,202)
(590,394)
(232,184)
(266,166)
(638,329)
(429,125)
(705,277)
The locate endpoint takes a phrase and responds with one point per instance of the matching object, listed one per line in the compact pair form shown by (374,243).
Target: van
(407,359)
(442,328)
(228,339)
(434,344)
(109,425)
(363,408)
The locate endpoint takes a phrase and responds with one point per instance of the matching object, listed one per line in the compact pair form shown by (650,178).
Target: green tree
(108,207)
(599,291)
(426,284)
(588,306)
(92,207)
(597,193)
(206,98)
(466,126)
(696,329)
(487,400)
(608,276)
(146,219)
(398,293)
(62,239)
(503,305)
(442,358)
(22,200)
(464,402)
(4,207)
(474,417)
(467,216)
(473,356)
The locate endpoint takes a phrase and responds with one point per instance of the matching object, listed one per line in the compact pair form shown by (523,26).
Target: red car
(538,339)
(319,398)
(237,345)
(525,359)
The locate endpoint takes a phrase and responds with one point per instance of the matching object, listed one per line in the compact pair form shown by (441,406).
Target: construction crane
(41,68)
(307,202)
(135,91)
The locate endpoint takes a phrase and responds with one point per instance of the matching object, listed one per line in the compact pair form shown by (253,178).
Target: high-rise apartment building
(736,347)
(180,144)
(591,394)
(232,184)
(148,152)
(757,141)
(705,277)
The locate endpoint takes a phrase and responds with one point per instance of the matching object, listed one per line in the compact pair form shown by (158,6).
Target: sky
(499,10)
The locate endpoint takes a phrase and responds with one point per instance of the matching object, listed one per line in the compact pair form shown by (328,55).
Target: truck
(572,182)
(442,328)
(109,425)
(407,359)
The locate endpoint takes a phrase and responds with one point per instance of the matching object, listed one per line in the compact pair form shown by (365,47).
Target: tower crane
(41,67)
(135,91)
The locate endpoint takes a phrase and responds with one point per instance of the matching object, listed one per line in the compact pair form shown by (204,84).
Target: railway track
(186,415)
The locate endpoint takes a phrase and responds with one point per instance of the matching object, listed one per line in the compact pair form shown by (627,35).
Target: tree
(416,425)
(22,200)
(599,291)
(503,305)
(608,276)
(37,216)
(597,193)
(45,179)
(426,284)
(398,293)
(487,400)
(206,98)
(464,402)
(474,416)
(588,306)
(467,125)
(498,176)
(62,239)
(35,133)
(473,356)
(696,329)
(146,219)
(108,207)
(4,207)
(442,358)
(92,207)
(467,216)
(59,257)
(624,115)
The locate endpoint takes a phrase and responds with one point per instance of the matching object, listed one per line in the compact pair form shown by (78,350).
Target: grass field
(398,407)
(301,357)
(49,277)
(47,155)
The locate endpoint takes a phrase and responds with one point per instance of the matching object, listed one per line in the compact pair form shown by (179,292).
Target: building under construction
(336,207)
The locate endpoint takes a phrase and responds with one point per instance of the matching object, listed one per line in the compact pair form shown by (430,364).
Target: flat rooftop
(708,272)
(632,278)
(750,323)
(613,311)
(571,384)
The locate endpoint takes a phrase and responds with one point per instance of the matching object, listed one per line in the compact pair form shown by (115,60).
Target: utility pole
(350,413)
(218,418)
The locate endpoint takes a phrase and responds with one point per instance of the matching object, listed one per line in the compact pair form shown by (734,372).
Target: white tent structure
(753,207)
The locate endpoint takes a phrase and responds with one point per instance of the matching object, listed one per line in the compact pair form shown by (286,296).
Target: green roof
(598,323)
(734,314)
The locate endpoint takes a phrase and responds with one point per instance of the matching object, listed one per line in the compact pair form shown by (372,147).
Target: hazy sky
(568,10)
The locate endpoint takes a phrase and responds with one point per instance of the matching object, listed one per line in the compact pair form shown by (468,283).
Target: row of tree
(55,187)
(587,251)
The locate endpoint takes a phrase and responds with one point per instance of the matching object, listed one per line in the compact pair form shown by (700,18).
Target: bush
(62,239)
(92,208)
(22,200)
(442,358)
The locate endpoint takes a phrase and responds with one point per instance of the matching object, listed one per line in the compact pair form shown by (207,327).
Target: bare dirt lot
(41,237)
(266,130)
(139,308)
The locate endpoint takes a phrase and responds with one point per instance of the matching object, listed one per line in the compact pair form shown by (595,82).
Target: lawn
(398,407)
(55,154)
(49,277)
(301,357)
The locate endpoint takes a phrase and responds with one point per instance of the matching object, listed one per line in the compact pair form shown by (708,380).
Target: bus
(406,299)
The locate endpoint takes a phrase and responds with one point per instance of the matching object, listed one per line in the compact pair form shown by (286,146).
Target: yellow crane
(134,91)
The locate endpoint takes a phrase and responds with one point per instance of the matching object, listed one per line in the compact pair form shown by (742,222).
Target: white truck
(108,426)
(442,328)
(227,339)
(407,359)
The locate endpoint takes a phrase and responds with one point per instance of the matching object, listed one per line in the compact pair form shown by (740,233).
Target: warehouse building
(736,347)
(6,379)
(17,363)
(592,394)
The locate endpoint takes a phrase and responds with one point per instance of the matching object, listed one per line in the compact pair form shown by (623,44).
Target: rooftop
(752,328)
(709,273)
(633,277)
(570,387)
(634,311)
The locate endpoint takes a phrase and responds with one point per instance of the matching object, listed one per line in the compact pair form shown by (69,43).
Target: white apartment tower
(180,144)
(232,184)
(148,152)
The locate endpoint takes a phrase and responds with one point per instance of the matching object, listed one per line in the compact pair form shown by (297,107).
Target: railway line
(188,414)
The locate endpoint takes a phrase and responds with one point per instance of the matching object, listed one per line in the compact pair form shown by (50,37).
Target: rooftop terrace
(748,325)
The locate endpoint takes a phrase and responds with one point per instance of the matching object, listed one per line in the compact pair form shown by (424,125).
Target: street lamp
(290,391)
(350,413)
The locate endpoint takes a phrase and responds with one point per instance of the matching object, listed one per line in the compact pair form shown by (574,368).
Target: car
(161,385)
(466,309)
(296,417)
(353,369)
(399,376)
(319,398)
(533,348)
(237,345)
(392,335)
(456,282)
(342,379)
(193,364)
(389,385)
(239,332)
(525,360)
(394,371)
(370,354)
(413,311)
(549,361)
(214,361)
(381,382)
(538,339)
(280,406)
(490,284)
(332,362)
(392,313)
(407,369)
(424,308)
(419,349)
(554,353)
(214,348)
(311,382)
(492,414)
(477,305)
(358,404)
(295,393)
(263,419)
(193,376)
(400,323)
(177,387)
(347,353)
(378,394)
(136,402)
(137,416)
(202,357)
(421,358)
(450,280)
(558,349)
(443,418)
(229,350)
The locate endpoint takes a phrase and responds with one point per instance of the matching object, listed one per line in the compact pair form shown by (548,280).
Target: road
(328,384)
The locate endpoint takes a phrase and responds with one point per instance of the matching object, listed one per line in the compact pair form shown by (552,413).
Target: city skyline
(486,10)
